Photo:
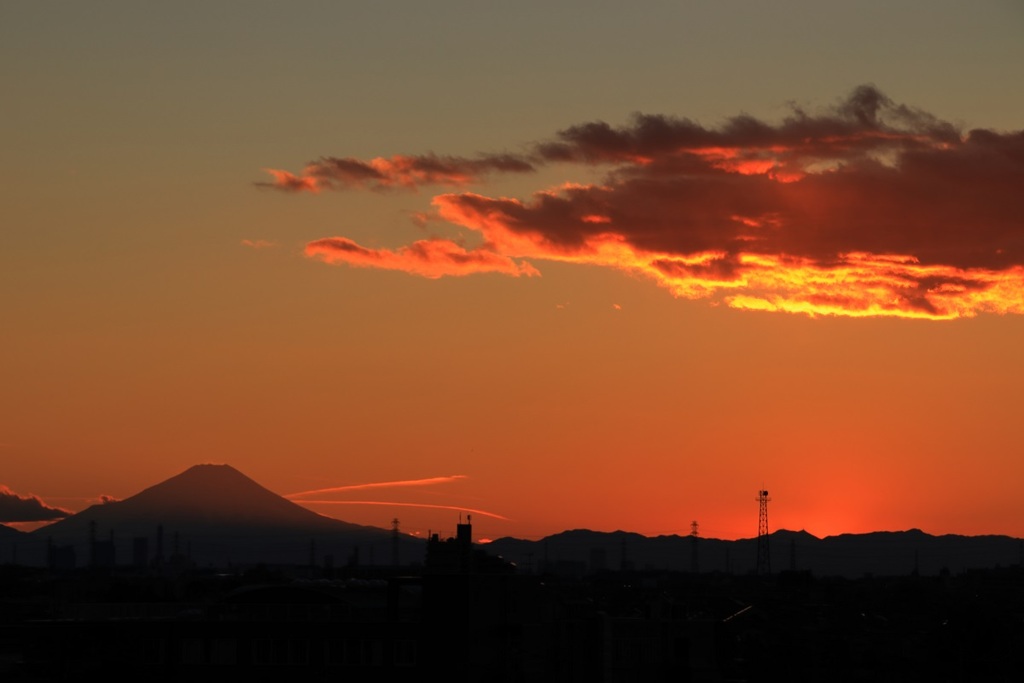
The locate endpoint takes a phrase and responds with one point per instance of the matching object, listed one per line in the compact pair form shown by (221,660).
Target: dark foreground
(468,623)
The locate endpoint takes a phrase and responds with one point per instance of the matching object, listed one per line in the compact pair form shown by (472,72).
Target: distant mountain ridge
(215,515)
(882,553)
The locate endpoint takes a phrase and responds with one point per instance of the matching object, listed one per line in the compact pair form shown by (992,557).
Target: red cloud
(868,208)
(429,258)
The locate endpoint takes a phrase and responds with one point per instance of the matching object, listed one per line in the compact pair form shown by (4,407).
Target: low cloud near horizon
(15,508)
(865,208)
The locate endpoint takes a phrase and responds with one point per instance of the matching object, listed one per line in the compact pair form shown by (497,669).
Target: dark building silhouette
(864,607)
(140,551)
(104,554)
(467,615)
(61,558)
(455,555)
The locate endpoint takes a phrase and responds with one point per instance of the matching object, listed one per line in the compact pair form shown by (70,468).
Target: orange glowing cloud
(289,182)
(867,208)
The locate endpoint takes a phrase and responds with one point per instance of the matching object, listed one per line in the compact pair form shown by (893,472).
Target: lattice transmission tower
(764,558)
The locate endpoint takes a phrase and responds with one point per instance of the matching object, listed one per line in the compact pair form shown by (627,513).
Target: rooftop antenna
(764,559)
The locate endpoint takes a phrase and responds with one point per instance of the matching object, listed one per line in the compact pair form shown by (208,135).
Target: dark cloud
(961,206)
(399,171)
(866,121)
(867,207)
(15,508)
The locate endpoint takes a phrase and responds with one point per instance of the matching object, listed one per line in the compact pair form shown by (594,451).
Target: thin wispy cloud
(473,511)
(863,208)
(429,481)
(258,244)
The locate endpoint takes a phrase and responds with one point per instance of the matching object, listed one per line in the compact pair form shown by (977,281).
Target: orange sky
(613,278)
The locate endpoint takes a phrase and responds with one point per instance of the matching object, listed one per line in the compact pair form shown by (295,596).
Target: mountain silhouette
(7,532)
(881,553)
(214,514)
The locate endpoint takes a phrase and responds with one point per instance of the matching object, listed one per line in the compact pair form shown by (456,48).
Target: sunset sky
(555,265)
